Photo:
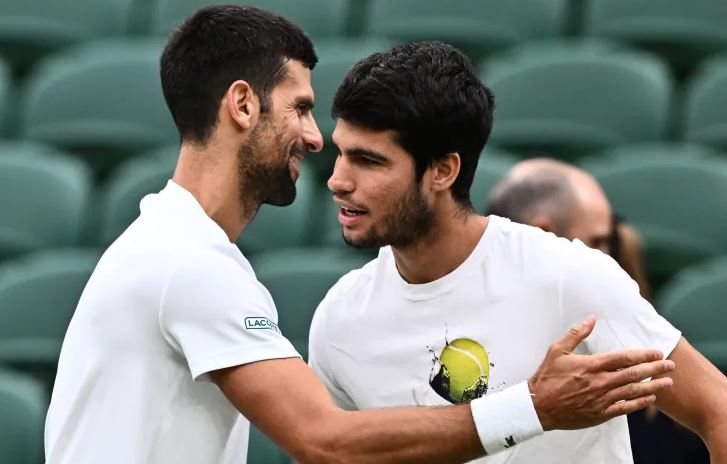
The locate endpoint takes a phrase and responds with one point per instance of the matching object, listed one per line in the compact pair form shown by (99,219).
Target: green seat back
(44,195)
(100,96)
(38,296)
(475,26)
(298,279)
(705,113)
(694,302)
(571,98)
(656,150)
(682,32)
(317,18)
(22,417)
(678,205)
(32,28)
(492,167)
(6,110)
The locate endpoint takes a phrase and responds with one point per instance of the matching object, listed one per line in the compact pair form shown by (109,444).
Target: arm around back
(289,403)
(286,400)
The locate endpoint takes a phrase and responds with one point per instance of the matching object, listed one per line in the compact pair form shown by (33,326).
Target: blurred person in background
(567,201)
(174,345)
(458,306)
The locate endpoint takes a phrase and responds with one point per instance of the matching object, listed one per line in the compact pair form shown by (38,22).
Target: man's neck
(213,180)
(449,243)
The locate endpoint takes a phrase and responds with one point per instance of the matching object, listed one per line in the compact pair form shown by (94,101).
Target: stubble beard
(264,182)
(410,220)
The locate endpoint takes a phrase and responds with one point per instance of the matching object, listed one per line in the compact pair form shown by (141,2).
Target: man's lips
(350,207)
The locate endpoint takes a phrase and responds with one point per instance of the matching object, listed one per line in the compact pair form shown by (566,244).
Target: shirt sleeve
(593,283)
(318,358)
(217,315)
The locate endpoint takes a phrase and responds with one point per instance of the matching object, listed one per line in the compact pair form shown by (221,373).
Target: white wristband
(505,418)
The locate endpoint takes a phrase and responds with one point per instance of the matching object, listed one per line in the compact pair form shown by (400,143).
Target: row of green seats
(682,32)
(570,98)
(646,184)
(678,204)
(30,29)
(694,302)
(23,405)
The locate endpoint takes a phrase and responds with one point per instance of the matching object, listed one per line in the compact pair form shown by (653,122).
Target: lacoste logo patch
(261,323)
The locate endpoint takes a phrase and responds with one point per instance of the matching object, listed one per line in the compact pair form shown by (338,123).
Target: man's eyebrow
(363,152)
(304,101)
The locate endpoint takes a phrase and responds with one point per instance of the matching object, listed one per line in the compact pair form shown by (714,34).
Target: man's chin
(361,243)
(282,198)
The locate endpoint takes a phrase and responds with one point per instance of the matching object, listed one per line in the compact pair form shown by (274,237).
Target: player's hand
(574,391)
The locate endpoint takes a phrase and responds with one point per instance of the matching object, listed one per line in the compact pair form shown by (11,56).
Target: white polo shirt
(171,300)
(377,341)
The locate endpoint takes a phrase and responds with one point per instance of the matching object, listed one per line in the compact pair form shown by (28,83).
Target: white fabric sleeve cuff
(505,418)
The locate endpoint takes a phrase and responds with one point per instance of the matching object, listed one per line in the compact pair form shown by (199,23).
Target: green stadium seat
(318,18)
(666,150)
(705,113)
(677,204)
(336,57)
(262,450)
(298,279)
(22,417)
(100,98)
(6,104)
(44,194)
(475,26)
(682,32)
(492,167)
(694,302)
(38,295)
(32,28)
(571,98)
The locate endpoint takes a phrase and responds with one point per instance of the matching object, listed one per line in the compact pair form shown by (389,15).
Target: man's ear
(444,172)
(242,104)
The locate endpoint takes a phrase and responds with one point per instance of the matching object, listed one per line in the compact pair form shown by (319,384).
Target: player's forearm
(400,435)
(715,437)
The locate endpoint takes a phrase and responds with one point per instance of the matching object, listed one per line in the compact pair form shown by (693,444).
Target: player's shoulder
(216,270)
(352,287)
(520,246)
(512,235)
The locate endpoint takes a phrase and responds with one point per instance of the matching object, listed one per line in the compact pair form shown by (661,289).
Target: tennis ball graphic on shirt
(464,371)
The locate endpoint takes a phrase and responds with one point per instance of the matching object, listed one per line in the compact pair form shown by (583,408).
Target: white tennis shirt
(377,341)
(171,300)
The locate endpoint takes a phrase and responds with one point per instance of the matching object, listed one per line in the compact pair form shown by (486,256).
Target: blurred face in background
(374,184)
(592,222)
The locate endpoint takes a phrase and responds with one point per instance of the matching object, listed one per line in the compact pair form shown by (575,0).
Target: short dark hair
(218,45)
(430,95)
(547,191)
